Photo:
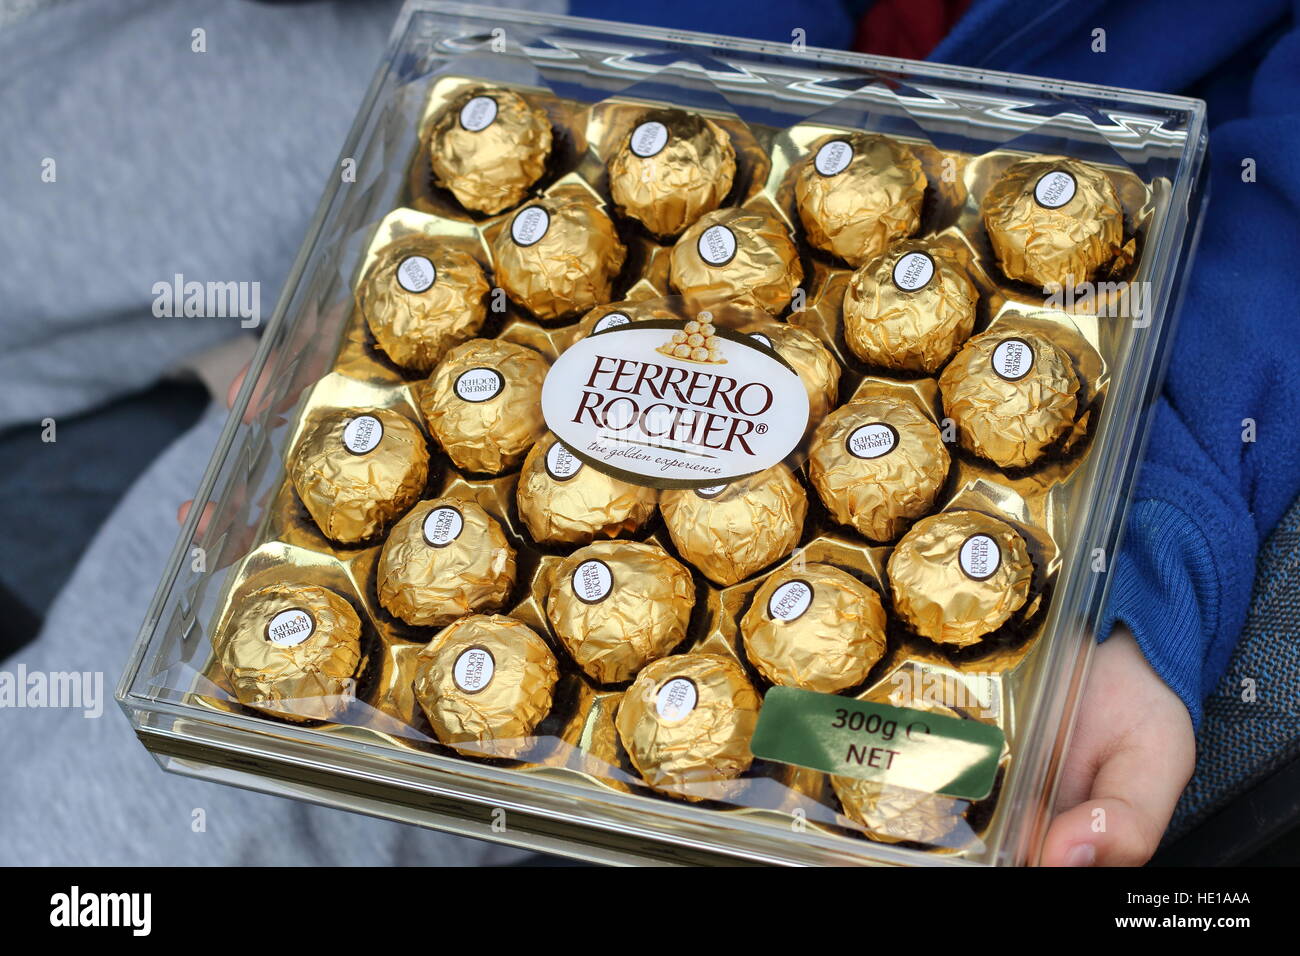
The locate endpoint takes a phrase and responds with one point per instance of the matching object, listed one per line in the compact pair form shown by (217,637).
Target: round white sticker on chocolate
(416,274)
(474,669)
(478,114)
(442,526)
(649,139)
(479,385)
(530,225)
(979,557)
(562,464)
(363,434)
(1012,359)
(913,271)
(717,245)
(873,440)
(790,601)
(592,581)
(834,157)
(1053,190)
(290,628)
(611,321)
(676,699)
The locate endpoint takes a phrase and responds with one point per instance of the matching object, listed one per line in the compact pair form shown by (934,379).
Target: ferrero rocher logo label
(675,700)
(872,440)
(979,557)
(474,669)
(790,601)
(1012,359)
(363,434)
(478,114)
(675,404)
(1053,190)
(442,526)
(290,628)
(416,274)
(479,385)
(833,157)
(649,139)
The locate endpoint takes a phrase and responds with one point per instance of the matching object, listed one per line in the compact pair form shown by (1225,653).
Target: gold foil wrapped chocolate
(292,650)
(815,627)
(1012,393)
(1053,221)
(959,575)
(731,531)
(858,192)
(686,723)
(558,256)
(421,297)
(489,147)
(613,314)
(483,404)
(446,558)
(673,167)
(909,308)
(733,253)
(877,465)
(893,814)
(617,605)
(357,470)
(485,683)
(561,499)
(811,360)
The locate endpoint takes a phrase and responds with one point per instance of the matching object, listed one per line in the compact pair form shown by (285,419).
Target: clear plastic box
(1151,145)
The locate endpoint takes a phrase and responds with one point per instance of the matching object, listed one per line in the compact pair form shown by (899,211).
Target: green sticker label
(894,745)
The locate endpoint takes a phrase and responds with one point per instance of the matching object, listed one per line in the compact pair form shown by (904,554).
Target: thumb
(1132,798)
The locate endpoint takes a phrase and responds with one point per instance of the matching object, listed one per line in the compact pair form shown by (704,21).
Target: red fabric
(907,28)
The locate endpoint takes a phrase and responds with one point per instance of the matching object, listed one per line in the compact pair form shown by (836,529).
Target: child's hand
(1133,752)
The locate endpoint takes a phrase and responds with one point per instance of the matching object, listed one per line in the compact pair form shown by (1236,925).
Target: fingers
(183,512)
(1133,752)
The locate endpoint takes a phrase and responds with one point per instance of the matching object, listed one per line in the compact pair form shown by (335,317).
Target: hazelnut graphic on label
(698,341)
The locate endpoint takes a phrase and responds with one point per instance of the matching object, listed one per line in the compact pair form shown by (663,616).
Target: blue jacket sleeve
(1223,462)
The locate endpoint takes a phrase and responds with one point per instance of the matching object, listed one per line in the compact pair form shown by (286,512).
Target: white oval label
(478,114)
(790,601)
(762,340)
(873,440)
(592,581)
(363,434)
(716,245)
(1012,359)
(710,491)
(529,225)
(1053,190)
(833,157)
(611,321)
(479,385)
(474,669)
(649,138)
(562,464)
(290,628)
(676,699)
(416,274)
(624,406)
(979,556)
(442,526)
(913,271)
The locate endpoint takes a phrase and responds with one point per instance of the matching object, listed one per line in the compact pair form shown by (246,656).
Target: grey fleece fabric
(80,790)
(167,161)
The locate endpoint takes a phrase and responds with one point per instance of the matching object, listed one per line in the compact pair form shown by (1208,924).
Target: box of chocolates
(684,449)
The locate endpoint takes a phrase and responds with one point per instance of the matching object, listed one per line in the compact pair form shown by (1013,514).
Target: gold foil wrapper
(1012,393)
(444,559)
(732,531)
(673,167)
(614,314)
(909,308)
(489,147)
(686,723)
(558,255)
(959,575)
(858,192)
(292,650)
(483,404)
(485,683)
(878,464)
(815,627)
(617,605)
(357,470)
(562,500)
(420,298)
(1053,221)
(893,814)
(733,253)
(811,360)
